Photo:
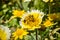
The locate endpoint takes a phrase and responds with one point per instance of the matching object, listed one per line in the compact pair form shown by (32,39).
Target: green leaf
(4,6)
(5,10)
(13,22)
(25,5)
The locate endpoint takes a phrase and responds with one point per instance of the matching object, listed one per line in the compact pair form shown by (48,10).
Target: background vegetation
(7,6)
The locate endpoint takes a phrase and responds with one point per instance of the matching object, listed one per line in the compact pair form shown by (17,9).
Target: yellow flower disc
(31,20)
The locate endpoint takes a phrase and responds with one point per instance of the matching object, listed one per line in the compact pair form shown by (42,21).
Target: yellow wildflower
(48,0)
(48,23)
(4,33)
(18,13)
(52,16)
(32,20)
(19,33)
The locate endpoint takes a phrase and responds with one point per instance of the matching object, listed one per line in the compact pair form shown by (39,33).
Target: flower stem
(23,38)
(36,34)
(21,5)
(49,7)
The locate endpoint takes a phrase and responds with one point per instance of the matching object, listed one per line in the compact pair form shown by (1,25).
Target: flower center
(29,19)
(32,20)
(19,32)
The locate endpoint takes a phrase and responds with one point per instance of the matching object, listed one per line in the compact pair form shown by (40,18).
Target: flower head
(4,33)
(32,20)
(52,16)
(18,13)
(19,33)
(48,23)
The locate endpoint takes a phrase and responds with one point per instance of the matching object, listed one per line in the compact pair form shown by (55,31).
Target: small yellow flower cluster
(51,18)
(29,20)
(49,21)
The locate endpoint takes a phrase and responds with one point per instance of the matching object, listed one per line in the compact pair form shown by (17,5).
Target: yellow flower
(19,33)
(18,13)
(48,23)
(32,20)
(4,33)
(52,16)
(48,0)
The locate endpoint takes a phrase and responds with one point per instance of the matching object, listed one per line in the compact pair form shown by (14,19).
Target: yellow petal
(21,37)
(16,38)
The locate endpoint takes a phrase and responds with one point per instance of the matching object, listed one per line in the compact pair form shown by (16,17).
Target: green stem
(49,7)
(36,34)
(23,38)
(21,5)
(19,39)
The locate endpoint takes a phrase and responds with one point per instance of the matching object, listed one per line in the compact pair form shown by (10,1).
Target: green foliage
(7,6)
